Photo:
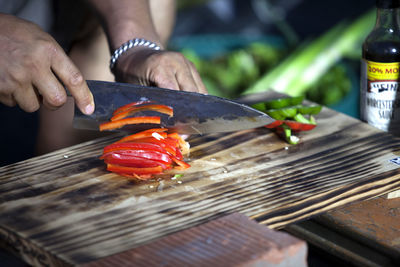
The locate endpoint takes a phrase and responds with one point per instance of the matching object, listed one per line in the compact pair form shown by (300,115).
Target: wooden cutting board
(65,208)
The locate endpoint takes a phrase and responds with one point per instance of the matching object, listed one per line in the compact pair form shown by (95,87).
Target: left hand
(165,69)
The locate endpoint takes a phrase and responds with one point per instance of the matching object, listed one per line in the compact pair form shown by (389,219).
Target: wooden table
(365,233)
(65,208)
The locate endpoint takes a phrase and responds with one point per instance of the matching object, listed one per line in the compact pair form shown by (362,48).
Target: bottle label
(380,95)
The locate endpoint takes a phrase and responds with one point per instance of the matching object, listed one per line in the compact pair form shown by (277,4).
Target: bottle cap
(387,3)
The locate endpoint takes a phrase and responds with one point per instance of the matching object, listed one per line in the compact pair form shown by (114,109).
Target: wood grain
(64,208)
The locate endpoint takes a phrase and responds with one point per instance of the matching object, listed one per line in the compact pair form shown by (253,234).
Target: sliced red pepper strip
(171,141)
(153,155)
(133,170)
(298,126)
(111,125)
(133,161)
(183,145)
(133,146)
(146,153)
(134,109)
(177,137)
(181,164)
(163,143)
(136,176)
(143,134)
(294,125)
(125,107)
(178,154)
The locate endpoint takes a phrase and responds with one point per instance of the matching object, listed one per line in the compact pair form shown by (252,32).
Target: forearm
(127,19)
(163,13)
(152,20)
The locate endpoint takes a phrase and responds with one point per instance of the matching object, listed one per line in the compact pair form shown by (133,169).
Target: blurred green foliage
(230,74)
(227,75)
(313,68)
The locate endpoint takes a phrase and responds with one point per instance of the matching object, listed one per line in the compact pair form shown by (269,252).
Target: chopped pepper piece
(286,133)
(133,170)
(310,110)
(283,102)
(144,134)
(300,118)
(290,115)
(144,154)
(111,125)
(126,146)
(133,161)
(134,109)
(294,125)
(282,113)
(181,164)
(168,144)
(127,106)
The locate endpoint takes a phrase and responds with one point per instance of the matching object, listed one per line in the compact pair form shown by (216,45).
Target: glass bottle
(380,92)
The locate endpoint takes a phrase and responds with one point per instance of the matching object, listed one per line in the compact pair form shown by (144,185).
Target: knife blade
(194,113)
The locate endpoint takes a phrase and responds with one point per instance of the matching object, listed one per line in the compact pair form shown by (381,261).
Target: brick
(233,240)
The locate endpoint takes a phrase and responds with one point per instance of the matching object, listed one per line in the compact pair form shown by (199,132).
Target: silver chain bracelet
(128,45)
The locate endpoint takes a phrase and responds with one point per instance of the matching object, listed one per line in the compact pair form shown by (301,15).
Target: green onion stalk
(312,59)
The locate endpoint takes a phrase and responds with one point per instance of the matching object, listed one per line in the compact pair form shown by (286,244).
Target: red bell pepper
(132,146)
(133,161)
(153,155)
(181,164)
(133,170)
(177,137)
(164,143)
(127,106)
(294,125)
(178,154)
(111,125)
(144,134)
(183,145)
(144,154)
(171,141)
(134,109)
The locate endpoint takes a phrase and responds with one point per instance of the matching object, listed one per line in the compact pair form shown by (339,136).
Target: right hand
(34,69)
(165,69)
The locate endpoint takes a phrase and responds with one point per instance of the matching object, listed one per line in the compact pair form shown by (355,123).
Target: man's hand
(128,19)
(165,69)
(34,69)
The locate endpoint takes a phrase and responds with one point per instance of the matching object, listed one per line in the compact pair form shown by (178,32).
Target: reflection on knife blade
(194,113)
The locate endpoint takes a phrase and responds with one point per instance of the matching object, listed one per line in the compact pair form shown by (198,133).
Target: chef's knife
(194,113)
